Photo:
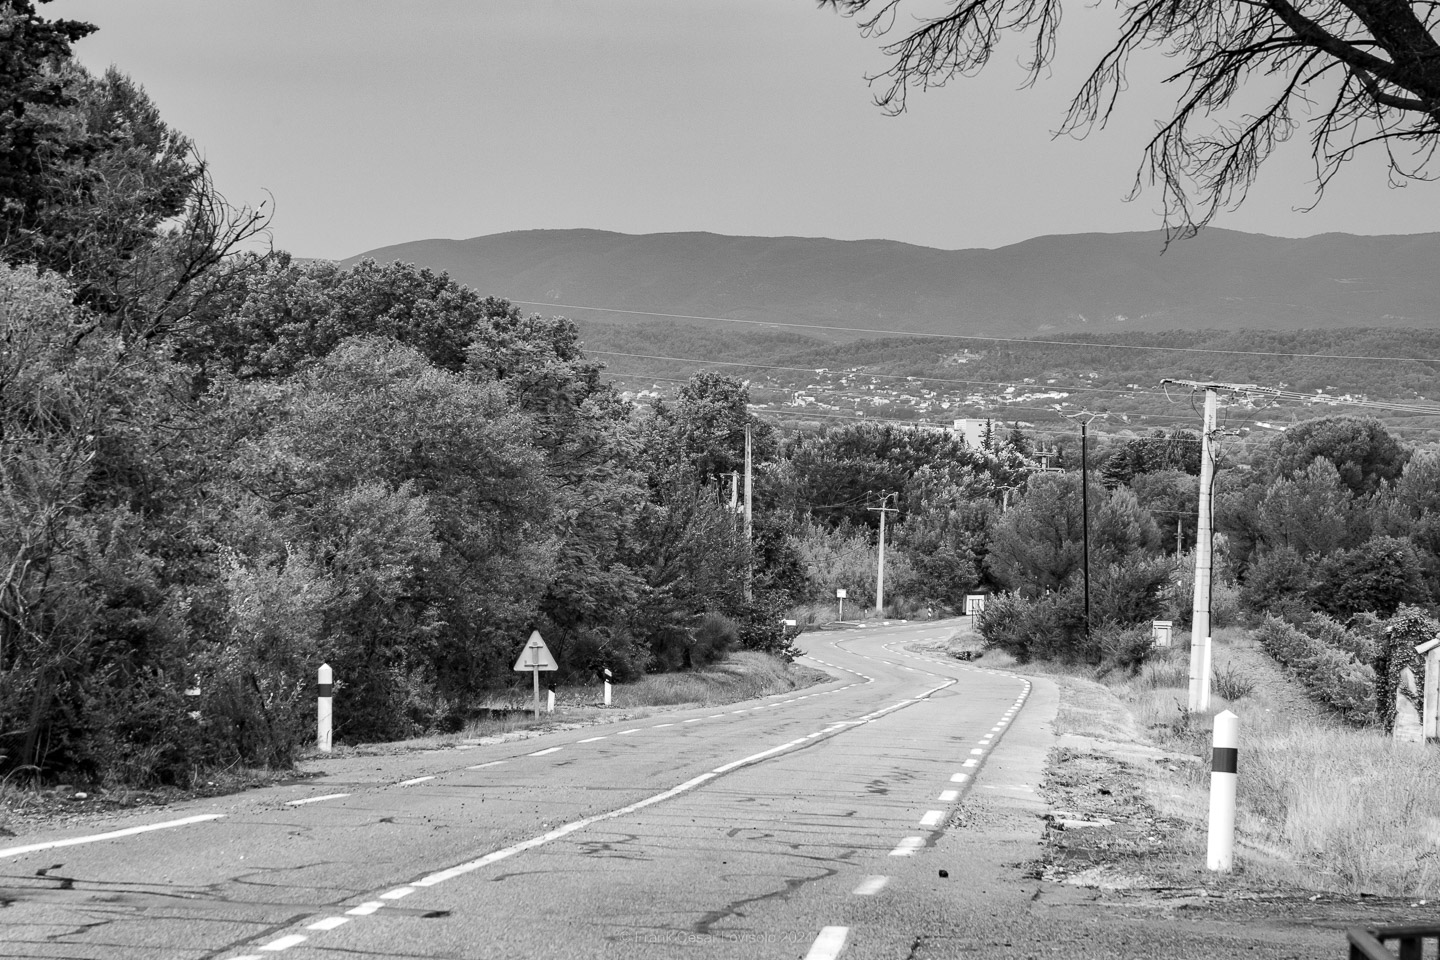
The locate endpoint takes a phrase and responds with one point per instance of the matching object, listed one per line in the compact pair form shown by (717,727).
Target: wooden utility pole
(1084,417)
(880,569)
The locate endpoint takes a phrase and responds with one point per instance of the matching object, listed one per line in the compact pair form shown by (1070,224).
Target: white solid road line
(870,886)
(828,945)
(113,835)
(328,796)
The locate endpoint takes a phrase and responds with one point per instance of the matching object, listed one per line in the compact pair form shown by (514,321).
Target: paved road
(814,824)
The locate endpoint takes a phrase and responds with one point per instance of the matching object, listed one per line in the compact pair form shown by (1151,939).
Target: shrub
(714,636)
(1330,676)
(1354,642)
(1123,647)
(1231,684)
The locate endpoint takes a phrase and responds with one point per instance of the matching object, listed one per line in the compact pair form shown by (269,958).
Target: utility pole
(1204,544)
(749,522)
(1083,418)
(880,571)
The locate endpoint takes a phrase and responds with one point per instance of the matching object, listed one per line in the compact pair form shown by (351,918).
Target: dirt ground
(1124,844)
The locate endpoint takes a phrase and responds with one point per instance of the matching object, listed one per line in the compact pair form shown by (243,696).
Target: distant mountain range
(1097,283)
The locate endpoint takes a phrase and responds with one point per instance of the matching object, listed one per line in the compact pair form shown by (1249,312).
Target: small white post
(1220,853)
(840,595)
(550,700)
(322,714)
(607,686)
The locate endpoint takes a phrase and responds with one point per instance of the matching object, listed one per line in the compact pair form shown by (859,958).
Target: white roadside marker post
(326,689)
(607,686)
(550,699)
(1220,852)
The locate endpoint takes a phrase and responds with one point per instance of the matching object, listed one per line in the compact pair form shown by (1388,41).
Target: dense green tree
(34,134)
(1310,513)
(1378,576)
(1175,451)
(1362,451)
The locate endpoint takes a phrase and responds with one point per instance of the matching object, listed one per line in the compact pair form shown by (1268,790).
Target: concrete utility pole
(1204,544)
(880,571)
(749,522)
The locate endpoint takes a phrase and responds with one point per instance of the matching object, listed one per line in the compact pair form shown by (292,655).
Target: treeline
(1327,539)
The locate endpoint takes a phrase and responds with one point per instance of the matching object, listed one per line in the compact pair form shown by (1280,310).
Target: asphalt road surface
(827,822)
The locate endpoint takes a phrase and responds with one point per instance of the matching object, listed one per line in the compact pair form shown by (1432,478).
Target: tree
(1362,451)
(1037,544)
(32,134)
(1355,72)
(1379,576)
(1310,514)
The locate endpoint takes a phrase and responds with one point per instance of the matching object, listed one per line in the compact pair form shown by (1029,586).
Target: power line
(957,336)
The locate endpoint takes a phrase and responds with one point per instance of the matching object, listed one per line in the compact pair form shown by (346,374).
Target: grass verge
(743,675)
(1321,806)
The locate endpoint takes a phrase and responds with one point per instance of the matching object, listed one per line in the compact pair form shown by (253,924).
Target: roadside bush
(1231,683)
(1330,676)
(1121,647)
(715,635)
(1333,634)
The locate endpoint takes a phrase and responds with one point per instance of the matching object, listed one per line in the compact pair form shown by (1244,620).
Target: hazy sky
(374,123)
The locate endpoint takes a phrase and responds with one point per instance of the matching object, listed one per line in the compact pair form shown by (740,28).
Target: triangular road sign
(536,656)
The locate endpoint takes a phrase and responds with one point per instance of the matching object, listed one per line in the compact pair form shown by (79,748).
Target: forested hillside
(1093,283)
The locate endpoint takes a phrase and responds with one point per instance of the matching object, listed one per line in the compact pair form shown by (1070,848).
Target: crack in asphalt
(734,908)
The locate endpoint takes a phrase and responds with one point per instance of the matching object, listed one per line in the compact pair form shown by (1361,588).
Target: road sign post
(536,657)
(840,595)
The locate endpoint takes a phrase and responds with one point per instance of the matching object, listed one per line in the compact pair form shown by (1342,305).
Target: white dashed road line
(828,945)
(907,847)
(870,886)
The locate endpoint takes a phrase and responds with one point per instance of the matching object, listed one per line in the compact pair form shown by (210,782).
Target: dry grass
(742,675)
(1322,806)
